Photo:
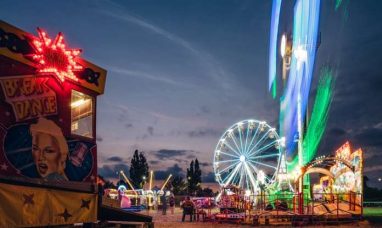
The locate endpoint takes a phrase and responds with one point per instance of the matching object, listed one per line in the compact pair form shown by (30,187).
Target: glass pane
(82,114)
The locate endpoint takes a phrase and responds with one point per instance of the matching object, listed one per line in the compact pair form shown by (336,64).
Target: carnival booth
(48,152)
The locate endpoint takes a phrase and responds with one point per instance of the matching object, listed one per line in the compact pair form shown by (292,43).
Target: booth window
(82,114)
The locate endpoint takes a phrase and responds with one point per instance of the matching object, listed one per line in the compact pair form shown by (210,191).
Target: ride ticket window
(82,114)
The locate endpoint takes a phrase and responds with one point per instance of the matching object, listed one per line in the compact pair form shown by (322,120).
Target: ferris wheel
(248,156)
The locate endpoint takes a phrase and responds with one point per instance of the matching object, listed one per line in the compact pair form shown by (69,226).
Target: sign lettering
(29,96)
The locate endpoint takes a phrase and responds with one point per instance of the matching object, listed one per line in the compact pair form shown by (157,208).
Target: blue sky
(181,72)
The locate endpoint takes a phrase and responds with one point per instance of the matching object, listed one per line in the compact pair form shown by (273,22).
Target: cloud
(123,109)
(370,137)
(164,154)
(210,177)
(141,74)
(174,170)
(180,160)
(115,159)
(373,168)
(337,131)
(214,69)
(204,110)
(128,125)
(150,130)
(205,164)
(111,171)
(143,137)
(205,132)
(372,161)
(378,125)
(153,162)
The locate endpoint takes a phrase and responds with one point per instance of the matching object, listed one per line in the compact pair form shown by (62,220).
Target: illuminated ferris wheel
(248,156)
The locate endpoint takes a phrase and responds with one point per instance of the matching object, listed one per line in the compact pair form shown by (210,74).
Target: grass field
(373,215)
(372,211)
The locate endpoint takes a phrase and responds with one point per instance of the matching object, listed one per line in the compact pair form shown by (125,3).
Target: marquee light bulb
(54,58)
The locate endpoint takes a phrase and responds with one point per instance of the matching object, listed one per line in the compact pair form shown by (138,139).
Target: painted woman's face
(46,154)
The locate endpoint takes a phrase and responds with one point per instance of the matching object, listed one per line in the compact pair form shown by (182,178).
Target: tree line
(139,176)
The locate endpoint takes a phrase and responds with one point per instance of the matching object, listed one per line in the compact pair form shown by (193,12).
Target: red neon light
(53,57)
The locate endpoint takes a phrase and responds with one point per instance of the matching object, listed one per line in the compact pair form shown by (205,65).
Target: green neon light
(274,89)
(338,4)
(319,117)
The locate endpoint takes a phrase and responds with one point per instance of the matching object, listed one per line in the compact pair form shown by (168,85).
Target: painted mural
(34,143)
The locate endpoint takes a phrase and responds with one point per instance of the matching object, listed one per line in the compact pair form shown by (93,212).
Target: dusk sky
(181,72)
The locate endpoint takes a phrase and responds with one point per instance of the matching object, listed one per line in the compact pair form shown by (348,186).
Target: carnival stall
(48,152)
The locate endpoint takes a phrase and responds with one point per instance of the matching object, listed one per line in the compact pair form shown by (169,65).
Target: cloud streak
(163,174)
(203,133)
(213,67)
(115,159)
(111,171)
(144,75)
(165,154)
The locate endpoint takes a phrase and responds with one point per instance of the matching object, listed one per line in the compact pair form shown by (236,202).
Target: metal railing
(301,208)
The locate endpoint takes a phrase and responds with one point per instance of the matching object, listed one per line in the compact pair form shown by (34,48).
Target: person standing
(163,199)
(172,204)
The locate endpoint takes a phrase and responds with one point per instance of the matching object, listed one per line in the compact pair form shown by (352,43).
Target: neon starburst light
(54,58)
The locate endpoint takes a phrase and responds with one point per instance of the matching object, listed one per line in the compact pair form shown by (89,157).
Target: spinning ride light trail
(129,183)
(306,18)
(319,115)
(165,183)
(318,118)
(249,151)
(276,6)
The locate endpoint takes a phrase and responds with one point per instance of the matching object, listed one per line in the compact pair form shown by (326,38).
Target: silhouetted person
(163,199)
(188,208)
(172,204)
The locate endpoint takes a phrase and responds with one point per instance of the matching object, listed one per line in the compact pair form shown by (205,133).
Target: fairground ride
(249,156)
(145,196)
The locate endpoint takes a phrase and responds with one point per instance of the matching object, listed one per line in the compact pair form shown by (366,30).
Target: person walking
(188,208)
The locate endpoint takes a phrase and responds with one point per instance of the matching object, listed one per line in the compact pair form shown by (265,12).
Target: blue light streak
(276,6)
(305,30)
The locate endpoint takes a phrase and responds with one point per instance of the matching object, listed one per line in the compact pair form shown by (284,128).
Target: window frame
(93,116)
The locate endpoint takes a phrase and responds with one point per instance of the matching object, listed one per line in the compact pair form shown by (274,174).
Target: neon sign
(54,58)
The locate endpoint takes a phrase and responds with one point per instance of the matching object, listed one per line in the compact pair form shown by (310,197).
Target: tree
(194,177)
(190,181)
(205,192)
(139,169)
(197,173)
(178,185)
(122,182)
(370,193)
(109,184)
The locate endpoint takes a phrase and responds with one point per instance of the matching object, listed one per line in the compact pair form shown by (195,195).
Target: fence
(301,208)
